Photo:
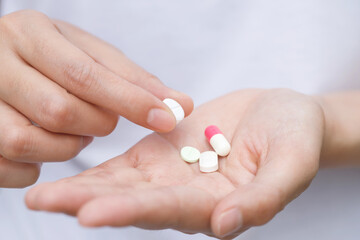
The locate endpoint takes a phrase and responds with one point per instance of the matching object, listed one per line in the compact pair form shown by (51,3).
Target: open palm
(276,138)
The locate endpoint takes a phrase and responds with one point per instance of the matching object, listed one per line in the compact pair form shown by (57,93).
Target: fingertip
(161,120)
(165,120)
(226,222)
(228,217)
(184,100)
(188,105)
(46,201)
(162,92)
(31,196)
(250,205)
(86,141)
(52,197)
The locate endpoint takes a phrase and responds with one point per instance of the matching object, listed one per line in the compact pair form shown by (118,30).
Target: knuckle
(27,13)
(55,114)
(80,76)
(15,143)
(8,24)
(24,30)
(152,78)
(19,21)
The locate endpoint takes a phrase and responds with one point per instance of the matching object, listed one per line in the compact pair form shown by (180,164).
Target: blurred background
(311,46)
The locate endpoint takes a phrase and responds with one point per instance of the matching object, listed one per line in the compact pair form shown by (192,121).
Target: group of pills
(208,160)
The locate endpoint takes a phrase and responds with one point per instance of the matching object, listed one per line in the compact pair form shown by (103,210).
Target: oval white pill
(190,154)
(208,161)
(176,109)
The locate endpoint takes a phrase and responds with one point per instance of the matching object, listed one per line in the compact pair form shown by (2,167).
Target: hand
(73,86)
(276,138)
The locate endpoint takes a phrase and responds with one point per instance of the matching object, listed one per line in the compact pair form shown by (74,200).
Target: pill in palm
(208,161)
(190,154)
(176,109)
(217,140)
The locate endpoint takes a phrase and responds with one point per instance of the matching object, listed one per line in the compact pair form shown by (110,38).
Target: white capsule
(176,109)
(208,161)
(217,140)
(220,144)
(190,154)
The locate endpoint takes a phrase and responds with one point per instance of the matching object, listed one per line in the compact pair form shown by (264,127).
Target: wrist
(329,129)
(341,142)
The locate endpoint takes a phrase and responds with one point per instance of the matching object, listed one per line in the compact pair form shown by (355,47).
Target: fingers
(47,104)
(63,197)
(69,194)
(22,141)
(59,60)
(122,198)
(117,62)
(17,175)
(284,176)
(181,208)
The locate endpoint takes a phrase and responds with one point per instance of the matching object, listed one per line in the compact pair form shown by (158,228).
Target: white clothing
(310,46)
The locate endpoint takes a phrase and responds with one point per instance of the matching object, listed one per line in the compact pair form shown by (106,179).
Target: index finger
(117,62)
(48,51)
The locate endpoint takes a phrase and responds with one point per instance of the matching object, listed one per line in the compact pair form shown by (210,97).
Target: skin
(60,86)
(276,138)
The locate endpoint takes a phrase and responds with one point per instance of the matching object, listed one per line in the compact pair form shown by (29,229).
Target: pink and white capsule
(217,140)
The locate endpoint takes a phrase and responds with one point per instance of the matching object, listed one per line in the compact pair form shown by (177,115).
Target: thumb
(283,176)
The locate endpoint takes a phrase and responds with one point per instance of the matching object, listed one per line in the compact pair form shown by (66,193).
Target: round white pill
(190,154)
(176,109)
(208,161)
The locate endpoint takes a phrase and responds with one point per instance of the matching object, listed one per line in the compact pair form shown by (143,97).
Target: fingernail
(229,222)
(86,141)
(160,119)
